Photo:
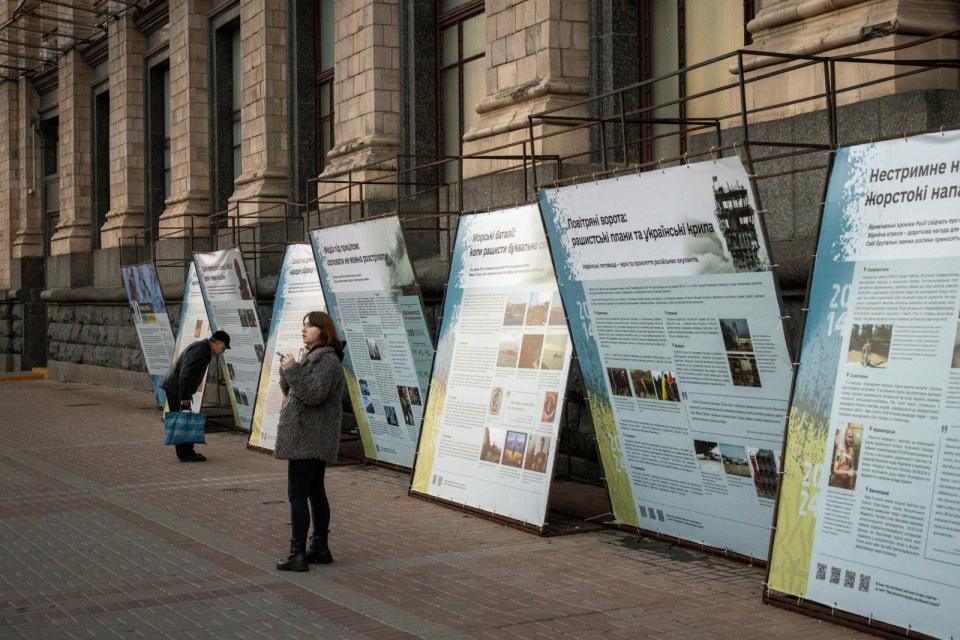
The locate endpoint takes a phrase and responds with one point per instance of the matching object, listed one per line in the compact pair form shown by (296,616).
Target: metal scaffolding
(40,31)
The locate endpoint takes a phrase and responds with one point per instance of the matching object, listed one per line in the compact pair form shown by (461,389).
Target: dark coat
(309,426)
(188,372)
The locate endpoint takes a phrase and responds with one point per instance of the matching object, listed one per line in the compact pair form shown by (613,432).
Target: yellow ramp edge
(20,376)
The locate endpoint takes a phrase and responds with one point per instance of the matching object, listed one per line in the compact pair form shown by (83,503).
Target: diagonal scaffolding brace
(54,21)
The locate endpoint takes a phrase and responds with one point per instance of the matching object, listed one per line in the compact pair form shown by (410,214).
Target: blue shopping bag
(184,427)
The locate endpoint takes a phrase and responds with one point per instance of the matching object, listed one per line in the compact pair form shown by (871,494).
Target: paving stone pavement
(106,535)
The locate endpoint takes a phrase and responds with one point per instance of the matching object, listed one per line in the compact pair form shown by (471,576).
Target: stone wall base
(61,371)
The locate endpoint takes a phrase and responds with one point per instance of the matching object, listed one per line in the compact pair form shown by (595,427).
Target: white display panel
(868,520)
(232,307)
(490,433)
(374,299)
(676,320)
(298,293)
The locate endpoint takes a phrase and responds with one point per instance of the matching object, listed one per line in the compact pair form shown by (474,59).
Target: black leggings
(305,482)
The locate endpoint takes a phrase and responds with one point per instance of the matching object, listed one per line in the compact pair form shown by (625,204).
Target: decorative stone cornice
(795,12)
(815,27)
(537,88)
(371,141)
(152,17)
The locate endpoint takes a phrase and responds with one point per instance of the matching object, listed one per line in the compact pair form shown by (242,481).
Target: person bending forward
(308,436)
(185,377)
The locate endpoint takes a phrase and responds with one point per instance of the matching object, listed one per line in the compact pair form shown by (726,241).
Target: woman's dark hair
(328,331)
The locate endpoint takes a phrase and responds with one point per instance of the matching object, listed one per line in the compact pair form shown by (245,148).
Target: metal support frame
(79,31)
(756,152)
(345,192)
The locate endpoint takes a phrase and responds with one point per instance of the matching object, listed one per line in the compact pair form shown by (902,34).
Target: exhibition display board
(151,321)
(298,293)
(374,299)
(868,518)
(194,325)
(676,319)
(489,435)
(232,307)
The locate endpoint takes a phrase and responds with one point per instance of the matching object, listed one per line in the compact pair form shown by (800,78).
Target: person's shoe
(319,552)
(194,457)
(298,557)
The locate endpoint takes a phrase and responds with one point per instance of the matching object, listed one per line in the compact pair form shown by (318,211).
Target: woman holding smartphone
(308,436)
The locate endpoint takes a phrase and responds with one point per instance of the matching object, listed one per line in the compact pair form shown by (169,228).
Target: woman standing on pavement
(308,435)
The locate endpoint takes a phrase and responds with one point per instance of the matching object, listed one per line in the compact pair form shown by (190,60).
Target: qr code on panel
(821,571)
(849,577)
(834,575)
(864,583)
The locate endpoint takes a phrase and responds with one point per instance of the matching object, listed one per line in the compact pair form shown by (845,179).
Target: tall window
(101,161)
(462,72)
(49,137)
(679,33)
(235,103)
(158,142)
(226,153)
(167,164)
(326,33)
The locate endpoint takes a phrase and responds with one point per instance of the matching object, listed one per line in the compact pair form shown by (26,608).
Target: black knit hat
(222,336)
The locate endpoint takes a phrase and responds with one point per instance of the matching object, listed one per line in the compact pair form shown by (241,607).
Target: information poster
(194,326)
(375,301)
(151,321)
(490,432)
(676,320)
(232,307)
(298,293)
(868,520)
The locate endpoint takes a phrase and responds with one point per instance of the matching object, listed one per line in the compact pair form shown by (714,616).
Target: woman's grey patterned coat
(309,426)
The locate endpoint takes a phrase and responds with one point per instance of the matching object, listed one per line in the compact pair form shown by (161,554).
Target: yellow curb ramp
(37,373)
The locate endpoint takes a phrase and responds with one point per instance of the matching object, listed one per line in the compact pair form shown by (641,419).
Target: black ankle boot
(298,557)
(319,552)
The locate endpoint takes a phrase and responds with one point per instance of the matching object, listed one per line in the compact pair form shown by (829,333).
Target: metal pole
(623,129)
(350,194)
(603,139)
(18,43)
(525,182)
(743,100)
(533,151)
(830,81)
(75,7)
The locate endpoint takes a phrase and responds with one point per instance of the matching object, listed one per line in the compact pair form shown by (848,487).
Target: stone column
(28,241)
(21,200)
(127,152)
(28,249)
(263,116)
(9,183)
(75,151)
(367,94)
(537,58)
(188,206)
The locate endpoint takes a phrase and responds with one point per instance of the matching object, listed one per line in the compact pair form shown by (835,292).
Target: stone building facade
(152,129)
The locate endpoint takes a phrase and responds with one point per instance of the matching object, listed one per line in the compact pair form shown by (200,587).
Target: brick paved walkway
(104,534)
